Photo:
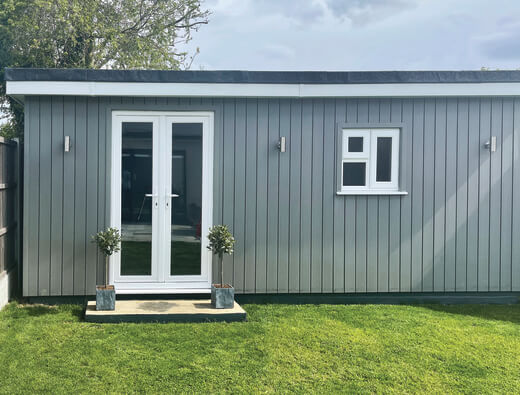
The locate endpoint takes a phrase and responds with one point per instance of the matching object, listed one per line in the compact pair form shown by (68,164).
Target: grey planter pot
(222,298)
(105,298)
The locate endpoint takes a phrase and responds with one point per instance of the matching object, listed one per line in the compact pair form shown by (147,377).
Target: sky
(359,35)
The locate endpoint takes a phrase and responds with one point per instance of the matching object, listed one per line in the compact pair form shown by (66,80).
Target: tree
(221,242)
(118,34)
(108,242)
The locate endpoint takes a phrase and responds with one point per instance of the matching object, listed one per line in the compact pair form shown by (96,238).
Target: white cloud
(359,35)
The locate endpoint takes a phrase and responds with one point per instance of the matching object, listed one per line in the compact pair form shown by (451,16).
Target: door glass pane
(355,144)
(354,173)
(384,159)
(186,207)
(136,207)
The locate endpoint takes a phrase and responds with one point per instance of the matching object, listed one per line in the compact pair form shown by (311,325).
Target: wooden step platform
(180,310)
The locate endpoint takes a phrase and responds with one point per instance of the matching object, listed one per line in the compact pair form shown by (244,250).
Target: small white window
(370,160)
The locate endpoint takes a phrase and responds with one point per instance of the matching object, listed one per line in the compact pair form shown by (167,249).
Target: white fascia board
(156,89)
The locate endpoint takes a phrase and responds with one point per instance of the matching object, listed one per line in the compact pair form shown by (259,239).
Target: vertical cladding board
(317,196)
(239,200)
(439,196)
(484,197)
(506,146)
(69,180)
(428,208)
(394,220)
(263,150)
(405,183)
(31,196)
(56,232)
(273,163)
(329,180)
(80,166)
(91,225)
(228,181)
(515,252)
(251,195)
(350,217)
(473,195)
(461,227)
(417,195)
(306,196)
(340,274)
(450,198)
(294,196)
(495,196)
(283,200)
(44,228)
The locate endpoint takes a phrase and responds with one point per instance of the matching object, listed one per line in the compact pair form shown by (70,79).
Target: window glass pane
(355,144)
(187,203)
(354,173)
(136,206)
(384,159)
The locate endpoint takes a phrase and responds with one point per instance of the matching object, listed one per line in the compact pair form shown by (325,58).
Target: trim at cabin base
(385,298)
(392,298)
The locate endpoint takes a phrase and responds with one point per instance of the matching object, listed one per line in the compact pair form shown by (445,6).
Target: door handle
(171,195)
(151,195)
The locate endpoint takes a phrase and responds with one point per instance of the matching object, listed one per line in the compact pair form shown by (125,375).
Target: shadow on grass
(508,313)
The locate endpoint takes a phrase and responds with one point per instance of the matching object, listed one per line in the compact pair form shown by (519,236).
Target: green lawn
(283,348)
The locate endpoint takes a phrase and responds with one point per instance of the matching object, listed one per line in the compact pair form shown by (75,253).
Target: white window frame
(356,157)
(369,156)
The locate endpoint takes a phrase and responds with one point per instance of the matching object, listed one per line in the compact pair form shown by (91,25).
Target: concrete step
(179,310)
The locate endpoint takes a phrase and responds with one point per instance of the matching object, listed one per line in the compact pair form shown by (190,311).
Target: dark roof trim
(262,77)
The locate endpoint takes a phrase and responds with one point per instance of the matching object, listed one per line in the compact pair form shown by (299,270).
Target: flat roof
(263,77)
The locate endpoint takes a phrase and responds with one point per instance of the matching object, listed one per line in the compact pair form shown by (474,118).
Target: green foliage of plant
(307,349)
(118,34)
(221,242)
(9,130)
(108,242)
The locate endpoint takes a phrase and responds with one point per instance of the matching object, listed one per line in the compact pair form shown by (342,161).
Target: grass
(137,255)
(283,348)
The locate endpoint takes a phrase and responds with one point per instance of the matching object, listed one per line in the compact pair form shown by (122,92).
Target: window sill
(371,192)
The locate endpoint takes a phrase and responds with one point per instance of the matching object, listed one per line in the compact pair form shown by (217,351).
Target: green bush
(221,242)
(108,242)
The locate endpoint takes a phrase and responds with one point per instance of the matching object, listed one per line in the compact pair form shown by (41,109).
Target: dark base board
(385,298)
(351,298)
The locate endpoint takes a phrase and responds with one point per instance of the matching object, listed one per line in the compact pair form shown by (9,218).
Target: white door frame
(159,282)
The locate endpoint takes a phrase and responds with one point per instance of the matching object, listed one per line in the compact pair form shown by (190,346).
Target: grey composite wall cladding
(262,77)
(457,230)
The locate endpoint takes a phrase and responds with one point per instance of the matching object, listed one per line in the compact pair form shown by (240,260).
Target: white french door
(162,193)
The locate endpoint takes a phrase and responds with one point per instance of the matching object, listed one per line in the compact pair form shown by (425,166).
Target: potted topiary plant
(221,242)
(108,242)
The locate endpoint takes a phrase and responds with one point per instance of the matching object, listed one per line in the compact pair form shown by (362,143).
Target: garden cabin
(350,183)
